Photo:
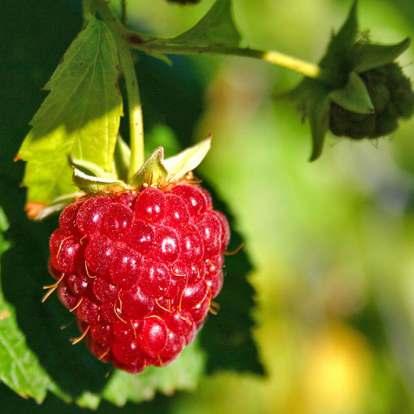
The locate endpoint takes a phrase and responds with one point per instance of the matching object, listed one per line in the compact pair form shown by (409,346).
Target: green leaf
(369,56)
(354,96)
(188,160)
(19,368)
(80,116)
(182,374)
(319,121)
(88,400)
(216,28)
(227,337)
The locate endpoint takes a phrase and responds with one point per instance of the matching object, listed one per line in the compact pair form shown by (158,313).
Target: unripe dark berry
(392,97)
(139,270)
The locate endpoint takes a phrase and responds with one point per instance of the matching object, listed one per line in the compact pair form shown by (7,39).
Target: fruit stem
(136,125)
(305,68)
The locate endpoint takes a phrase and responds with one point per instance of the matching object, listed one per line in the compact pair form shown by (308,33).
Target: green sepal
(354,96)
(122,157)
(92,184)
(89,168)
(153,172)
(313,99)
(342,42)
(368,56)
(319,121)
(181,164)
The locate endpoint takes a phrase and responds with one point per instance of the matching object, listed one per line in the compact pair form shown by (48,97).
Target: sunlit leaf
(80,115)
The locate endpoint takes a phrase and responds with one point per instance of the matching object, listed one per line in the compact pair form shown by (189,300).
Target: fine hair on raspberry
(139,270)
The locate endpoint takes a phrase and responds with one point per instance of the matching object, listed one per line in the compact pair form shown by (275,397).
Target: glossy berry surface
(139,270)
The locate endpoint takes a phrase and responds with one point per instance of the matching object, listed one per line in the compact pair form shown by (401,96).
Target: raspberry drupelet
(139,270)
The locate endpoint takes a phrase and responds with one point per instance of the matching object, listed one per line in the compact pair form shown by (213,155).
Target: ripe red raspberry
(139,270)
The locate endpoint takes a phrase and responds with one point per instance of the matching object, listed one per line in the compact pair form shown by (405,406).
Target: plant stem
(307,69)
(136,125)
(124,16)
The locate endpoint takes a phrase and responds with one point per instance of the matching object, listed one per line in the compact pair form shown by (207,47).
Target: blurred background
(331,242)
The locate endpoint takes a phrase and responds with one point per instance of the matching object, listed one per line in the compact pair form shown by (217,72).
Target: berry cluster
(139,270)
(393,98)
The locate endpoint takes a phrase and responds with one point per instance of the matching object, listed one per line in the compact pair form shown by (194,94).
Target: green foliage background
(330,243)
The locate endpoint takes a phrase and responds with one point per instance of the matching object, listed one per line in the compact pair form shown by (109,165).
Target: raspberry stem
(136,126)
(276,58)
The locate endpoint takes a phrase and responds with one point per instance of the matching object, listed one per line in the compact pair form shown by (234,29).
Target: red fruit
(139,270)
(194,198)
(177,211)
(101,333)
(182,324)
(100,252)
(116,220)
(165,246)
(89,216)
(125,266)
(150,205)
(77,284)
(211,231)
(88,311)
(173,346)
(64,251)
(68,216)
(103,290)
(140,236)
(155,278)
(135,303)
(152,336)
(191,246)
